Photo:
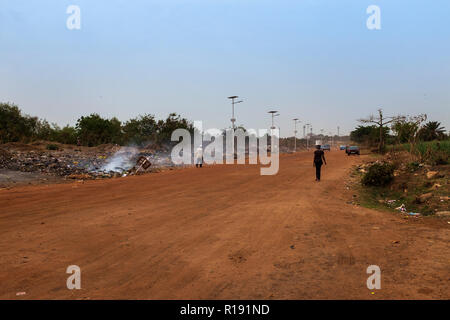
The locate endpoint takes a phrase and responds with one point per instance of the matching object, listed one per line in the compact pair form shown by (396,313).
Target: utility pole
(295,133)
(233,119)
(307,136)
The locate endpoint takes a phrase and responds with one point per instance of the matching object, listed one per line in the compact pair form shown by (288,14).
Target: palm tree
(432,130)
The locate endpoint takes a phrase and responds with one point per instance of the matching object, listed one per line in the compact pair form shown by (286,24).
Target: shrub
(140,130)
(94,130)
(412,166)
(438,158)
(14,126)
(52,147)
(379,174)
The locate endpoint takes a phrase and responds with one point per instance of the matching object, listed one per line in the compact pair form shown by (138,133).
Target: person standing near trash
(199,157)
(319,160)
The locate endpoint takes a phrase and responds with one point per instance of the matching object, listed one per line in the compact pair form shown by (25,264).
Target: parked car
(352,149)
(325,147)
(342,147)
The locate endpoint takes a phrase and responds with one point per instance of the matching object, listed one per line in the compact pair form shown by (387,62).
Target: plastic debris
(414,214)
(402,208)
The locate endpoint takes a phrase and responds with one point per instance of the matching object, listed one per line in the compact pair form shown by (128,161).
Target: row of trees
(89,130)
(406,129)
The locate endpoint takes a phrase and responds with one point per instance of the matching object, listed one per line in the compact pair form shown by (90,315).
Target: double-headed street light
(274,114)
(233,102)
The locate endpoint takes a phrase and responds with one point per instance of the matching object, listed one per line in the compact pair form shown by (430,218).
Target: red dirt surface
(221,232)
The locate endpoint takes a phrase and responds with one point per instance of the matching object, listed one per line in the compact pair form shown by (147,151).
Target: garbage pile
(60,164)
(82,163)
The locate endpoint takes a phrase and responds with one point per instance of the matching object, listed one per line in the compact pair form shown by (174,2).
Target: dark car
(352,149)
(342,147)
(325,147)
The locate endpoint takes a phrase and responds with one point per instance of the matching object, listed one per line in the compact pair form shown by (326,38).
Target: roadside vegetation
(91,130)
(410,173)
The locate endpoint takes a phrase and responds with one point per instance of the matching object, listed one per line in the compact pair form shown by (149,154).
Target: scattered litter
(292,247)
(22,293)
(414,214)
(395,241)
(402,208)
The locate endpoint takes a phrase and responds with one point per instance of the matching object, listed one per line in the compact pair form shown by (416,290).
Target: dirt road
(221,232)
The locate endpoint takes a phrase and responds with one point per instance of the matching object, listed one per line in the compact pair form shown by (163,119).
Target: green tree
(94,130)
(368,135)
(404,130)
(14,126)
(381,122)
(173,122)
(432,130)
(140,130)
(67,135)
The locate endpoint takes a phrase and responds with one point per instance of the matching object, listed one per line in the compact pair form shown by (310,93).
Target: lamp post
(274,114)
(307,136)
(233,102)
(295,133)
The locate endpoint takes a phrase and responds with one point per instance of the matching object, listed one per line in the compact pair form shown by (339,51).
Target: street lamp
(274,114)
(307,136)
(233,119)
(295,133)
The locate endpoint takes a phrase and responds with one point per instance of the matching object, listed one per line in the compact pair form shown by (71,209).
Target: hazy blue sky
(311,59)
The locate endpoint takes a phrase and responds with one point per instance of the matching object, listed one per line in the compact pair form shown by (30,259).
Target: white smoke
(124,159)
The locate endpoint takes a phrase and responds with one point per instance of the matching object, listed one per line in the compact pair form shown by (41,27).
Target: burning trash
(142,163)
(84,163)
(122,161)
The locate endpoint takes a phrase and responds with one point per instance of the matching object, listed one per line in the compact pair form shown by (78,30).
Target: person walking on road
(319,159)
(199,157)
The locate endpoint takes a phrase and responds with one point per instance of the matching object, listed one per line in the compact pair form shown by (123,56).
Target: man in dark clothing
(319,155)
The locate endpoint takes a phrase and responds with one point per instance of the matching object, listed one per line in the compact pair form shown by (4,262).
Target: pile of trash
(83,163)
(61,164)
